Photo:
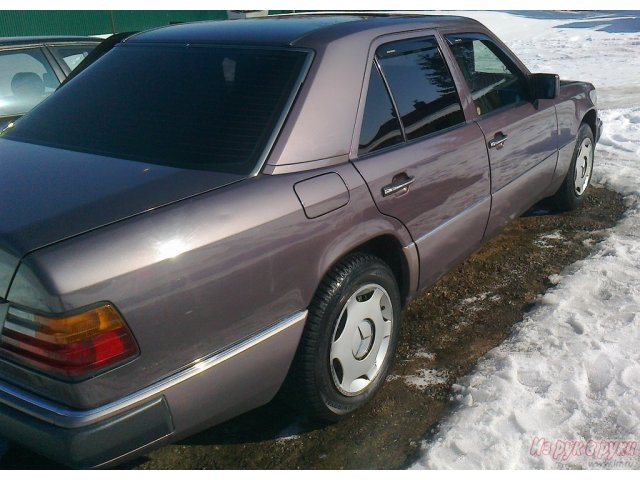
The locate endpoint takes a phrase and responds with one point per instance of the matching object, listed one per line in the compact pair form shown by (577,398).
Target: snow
(425,378)
(425,355)
(481,297)
(564,390)
(548,240)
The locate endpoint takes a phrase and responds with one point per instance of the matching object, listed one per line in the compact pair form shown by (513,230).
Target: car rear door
(425,164)
(70,55)
(521,136)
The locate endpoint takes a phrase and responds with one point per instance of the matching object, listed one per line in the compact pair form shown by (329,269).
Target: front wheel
(574,188)
(349,341)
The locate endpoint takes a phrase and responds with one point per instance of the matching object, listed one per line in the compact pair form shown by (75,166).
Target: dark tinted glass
(380,125)
(495,82)
(421,85)
(193,107)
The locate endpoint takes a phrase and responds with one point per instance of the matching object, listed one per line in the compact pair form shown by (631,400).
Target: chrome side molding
(59,415)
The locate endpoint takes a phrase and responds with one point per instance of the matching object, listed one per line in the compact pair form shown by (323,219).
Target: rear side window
(210,107)
(26,78)
(72,55)
(495,82)
(421,85)
(380,125)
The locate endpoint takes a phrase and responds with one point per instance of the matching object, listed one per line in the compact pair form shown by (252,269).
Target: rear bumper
(92,445)
(598,128)
(214,389)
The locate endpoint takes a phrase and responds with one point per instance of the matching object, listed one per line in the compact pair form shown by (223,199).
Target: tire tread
(300,387)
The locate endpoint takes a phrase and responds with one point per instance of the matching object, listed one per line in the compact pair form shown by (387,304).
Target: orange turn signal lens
(63,331)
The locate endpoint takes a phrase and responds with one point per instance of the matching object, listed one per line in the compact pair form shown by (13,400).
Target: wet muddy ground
(444,331)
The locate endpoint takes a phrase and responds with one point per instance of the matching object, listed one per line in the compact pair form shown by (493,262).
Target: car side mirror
(544,86)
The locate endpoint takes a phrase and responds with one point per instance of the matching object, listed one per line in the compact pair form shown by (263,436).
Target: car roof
(292,30)
(19,41)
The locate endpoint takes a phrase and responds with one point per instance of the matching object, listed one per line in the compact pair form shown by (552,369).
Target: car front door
(425,164)
(26,78)
(521,134)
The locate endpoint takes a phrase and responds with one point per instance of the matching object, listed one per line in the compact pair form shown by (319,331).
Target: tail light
(71,347)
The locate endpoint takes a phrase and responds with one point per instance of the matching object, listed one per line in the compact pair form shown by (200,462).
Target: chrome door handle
(397,186)
(498,140)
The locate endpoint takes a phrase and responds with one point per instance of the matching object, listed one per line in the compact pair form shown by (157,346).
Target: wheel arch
(590,118)
(388,249)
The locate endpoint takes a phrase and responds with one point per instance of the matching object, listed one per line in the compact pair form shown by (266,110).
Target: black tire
(313,383)
(568,197)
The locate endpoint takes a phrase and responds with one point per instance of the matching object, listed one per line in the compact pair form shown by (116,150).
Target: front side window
(495,82)
(26,78)
(421,85)
(213,108)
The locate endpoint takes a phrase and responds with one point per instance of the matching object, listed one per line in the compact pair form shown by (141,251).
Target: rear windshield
(209,107)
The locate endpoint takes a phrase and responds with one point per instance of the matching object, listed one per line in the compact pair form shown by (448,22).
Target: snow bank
(564,390)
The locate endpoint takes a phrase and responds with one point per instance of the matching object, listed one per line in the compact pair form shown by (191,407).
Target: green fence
(95,22)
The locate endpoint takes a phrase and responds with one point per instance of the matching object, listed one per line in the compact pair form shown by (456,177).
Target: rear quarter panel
(197,276)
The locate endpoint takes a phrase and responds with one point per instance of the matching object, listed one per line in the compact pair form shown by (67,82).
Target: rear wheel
(574,188)
(349,340)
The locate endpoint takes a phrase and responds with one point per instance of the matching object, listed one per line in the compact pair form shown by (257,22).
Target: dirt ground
(444,331)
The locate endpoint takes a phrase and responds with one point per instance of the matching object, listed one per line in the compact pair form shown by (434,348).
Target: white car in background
(31,68)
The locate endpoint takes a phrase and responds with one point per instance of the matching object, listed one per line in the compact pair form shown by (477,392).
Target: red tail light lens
(71,347)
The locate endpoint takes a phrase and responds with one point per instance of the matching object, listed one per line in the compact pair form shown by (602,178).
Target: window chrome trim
(286,109)
(394,105)
(408,141)
(511,62)
(65,417)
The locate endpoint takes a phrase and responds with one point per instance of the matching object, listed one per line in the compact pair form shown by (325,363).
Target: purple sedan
(213,213)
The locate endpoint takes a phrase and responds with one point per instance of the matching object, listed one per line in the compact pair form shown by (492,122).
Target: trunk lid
(49,194)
